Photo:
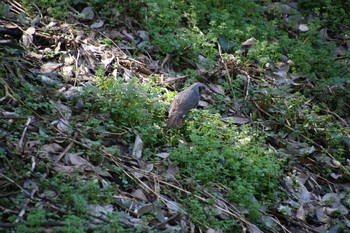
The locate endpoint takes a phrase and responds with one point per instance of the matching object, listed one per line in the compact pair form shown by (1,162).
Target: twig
(70,145)
(335,115)
(166,221)
(167,57)
(226,68)
(9,194)
(276,221)
(303,136)
(319,146)
(7,93)
(303,225)
(22,103)
(21,144)
(25,206)
(13,182)
(6,210)
(43,224)
(315,15)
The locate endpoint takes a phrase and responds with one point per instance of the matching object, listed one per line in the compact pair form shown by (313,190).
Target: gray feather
(183,103)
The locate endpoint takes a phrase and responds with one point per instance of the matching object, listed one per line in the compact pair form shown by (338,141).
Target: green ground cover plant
(232,157)
(211,155)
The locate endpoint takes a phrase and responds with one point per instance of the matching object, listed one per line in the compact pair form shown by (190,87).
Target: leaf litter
(313,203)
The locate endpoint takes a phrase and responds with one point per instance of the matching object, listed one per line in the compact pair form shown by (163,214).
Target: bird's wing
(186,104)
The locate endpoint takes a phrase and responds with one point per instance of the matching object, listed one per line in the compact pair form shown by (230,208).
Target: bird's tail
(174,121)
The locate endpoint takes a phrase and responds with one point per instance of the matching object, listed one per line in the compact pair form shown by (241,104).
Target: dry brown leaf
(143,35)
(87,13)
(97,24)
(64,169)
(139,194)
(236,120)
(51,148)
(203,104)
(173,207)
(74,159)
(138,145)
(94,49)
(163,155)
(144,209)
(249,42)
(100,211)
(253,228)
(321,215)
(102,172)
(107,58)
(211,230)
(171,172)
(217,88)
(27,38)
(68,71)
(301,214)
(219,211)
(303,28)
(50,67)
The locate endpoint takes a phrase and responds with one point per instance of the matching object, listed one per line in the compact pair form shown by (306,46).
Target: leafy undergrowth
(84,145)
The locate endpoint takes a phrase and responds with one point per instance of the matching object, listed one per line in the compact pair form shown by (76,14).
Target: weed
(207,215)
(129,105)
(57,9)
(223,154)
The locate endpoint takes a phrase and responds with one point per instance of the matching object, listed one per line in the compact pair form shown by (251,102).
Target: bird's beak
(206,90)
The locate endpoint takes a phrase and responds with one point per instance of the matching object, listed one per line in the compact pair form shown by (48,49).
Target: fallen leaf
(51,148)
(236,120)
(138,145)
(163,155)
(217,88)
(63,125)
(203,104)
(159,215)
(143,35)
(102,172)
(301,215)
(173,207)
(97,24)
(100,211)
(253,228)
(171,172)
(139,194)
(144,209)
(211,230)
(64,169)
(50,67)
(87,13)
(74,159)
(248,43)
(321,215)
(27,37)
(107,58)
(303,28)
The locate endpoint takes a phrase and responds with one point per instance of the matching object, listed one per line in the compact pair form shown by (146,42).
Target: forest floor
(84,145)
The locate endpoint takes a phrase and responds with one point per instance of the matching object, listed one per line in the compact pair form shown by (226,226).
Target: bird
(183,103)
